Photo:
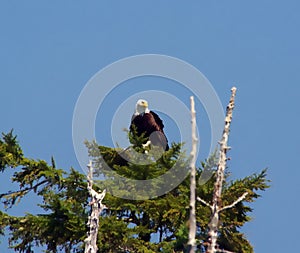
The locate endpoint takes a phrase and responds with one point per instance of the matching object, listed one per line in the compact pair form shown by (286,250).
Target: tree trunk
(192,219)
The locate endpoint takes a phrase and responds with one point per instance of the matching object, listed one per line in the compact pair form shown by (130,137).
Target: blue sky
(50,49)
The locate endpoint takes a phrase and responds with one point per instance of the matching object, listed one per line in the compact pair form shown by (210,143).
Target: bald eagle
(149,123)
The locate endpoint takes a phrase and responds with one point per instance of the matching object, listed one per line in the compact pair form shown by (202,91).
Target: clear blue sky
(50,49)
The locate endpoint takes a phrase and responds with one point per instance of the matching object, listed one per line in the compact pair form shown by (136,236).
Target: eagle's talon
(146,145)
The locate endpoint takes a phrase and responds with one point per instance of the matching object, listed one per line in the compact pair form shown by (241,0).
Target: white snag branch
(96,208)
(216,201)
(192,219)
(235,202)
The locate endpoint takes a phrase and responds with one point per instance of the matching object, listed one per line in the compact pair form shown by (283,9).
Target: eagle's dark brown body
(150,124)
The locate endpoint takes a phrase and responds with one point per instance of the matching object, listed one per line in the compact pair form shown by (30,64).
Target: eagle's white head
(141,107)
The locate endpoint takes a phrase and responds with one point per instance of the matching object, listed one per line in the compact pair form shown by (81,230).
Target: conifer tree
(128,224)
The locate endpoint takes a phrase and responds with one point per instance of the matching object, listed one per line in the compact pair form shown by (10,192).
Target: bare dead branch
(223,251)
(216,201)
(235,202)
(205,203)
(97,207)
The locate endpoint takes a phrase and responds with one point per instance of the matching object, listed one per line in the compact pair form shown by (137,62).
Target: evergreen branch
(13,195)
(23,190)
(234,203)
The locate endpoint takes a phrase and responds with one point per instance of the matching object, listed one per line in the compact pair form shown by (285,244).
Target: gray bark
(96,208)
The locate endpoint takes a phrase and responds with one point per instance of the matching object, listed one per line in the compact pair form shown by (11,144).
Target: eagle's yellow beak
(145,104)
